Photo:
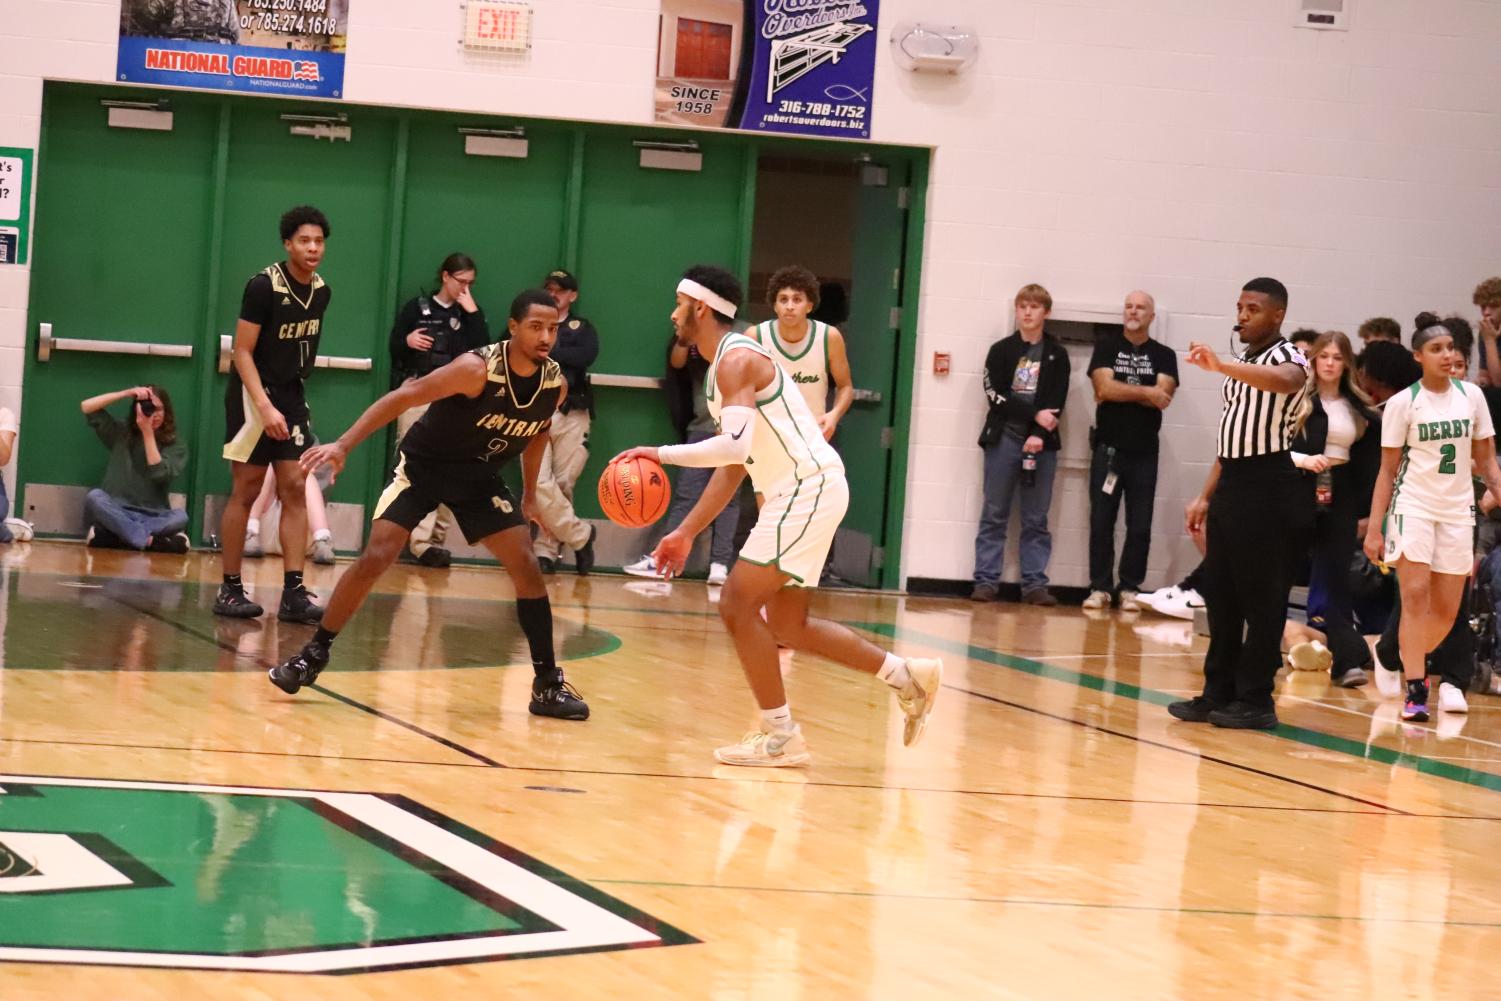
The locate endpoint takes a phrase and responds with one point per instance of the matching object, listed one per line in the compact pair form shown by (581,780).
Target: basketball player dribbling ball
(487,407)
(767,429)
(1435,435)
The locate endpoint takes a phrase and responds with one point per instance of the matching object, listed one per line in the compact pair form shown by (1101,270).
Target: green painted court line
(1035,902)
(1297,734)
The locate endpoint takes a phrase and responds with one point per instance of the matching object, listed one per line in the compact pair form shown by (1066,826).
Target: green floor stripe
(1298,734)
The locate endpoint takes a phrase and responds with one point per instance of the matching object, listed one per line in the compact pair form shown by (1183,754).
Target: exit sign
(498,26)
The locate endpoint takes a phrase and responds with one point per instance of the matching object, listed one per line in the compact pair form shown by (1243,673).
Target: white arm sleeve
(731,447)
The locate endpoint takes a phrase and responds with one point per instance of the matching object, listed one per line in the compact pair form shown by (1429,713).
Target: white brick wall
(1182,146)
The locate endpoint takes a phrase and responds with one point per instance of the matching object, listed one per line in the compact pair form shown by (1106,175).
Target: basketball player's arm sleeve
(731,447)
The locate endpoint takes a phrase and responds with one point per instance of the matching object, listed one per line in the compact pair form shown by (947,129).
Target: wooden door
(703,51)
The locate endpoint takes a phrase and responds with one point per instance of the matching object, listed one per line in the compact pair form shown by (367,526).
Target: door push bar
(46,344)
(227,350)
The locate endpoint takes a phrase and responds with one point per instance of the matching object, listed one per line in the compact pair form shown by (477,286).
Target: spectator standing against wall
(576,349)
(1257,510)
(689,408)
(1380,328)
(132,509)
(1026,383)
(430,331)
(1134,378)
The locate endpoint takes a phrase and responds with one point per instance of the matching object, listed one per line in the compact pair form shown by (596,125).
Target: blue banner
(801,66)
(291,48)
(814,68)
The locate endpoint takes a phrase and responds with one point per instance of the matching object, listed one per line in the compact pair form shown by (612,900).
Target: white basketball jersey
(807,362)
(1435,432)
(787,445)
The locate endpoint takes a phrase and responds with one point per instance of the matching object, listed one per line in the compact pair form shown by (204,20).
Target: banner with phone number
(286,47)
(800,66)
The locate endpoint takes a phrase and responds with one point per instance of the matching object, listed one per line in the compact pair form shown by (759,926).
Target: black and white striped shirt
(1254,421)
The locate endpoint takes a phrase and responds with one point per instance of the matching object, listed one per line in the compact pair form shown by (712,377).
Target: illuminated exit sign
(498,26)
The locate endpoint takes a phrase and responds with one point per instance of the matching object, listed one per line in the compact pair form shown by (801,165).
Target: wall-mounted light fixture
(934,48)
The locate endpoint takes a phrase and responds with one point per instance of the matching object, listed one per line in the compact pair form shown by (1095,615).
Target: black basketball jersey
(290,316)
(493,427)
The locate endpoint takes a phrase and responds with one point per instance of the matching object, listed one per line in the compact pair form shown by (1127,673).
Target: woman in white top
(1435,435)
(1340,445)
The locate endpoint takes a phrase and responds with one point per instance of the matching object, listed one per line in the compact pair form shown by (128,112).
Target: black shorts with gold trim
(245,438)
(479,499)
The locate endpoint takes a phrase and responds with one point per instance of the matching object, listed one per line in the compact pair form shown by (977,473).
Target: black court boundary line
(327,692)
(1192,752)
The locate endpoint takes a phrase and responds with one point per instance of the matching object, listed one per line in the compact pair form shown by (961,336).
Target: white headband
(719,304)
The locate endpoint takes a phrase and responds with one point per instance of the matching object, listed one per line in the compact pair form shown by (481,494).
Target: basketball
(633,493)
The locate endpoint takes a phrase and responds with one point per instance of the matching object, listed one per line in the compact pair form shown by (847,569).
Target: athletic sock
(233,580)
(322,535)
(291,580)
(894,672)
(535,616)
(324,637)
(253,526)
(779,719)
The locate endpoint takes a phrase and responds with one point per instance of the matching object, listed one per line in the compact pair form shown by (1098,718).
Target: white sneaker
(1097,599)
(1181,606)
(1310,656)
(21,530)
(322,552)
(927,679)
(253,548)
(1151,598)
(644,567)
(718,573)
(763,749)
(1451,699)
(1130,601)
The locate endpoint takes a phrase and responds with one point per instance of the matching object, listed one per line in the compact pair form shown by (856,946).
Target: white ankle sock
(779,718)
(894,672)
(253,526)
(322,535)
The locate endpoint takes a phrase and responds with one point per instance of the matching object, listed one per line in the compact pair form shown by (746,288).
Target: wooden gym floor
(1055,835)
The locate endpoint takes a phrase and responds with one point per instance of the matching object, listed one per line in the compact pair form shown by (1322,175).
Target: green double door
(148,236)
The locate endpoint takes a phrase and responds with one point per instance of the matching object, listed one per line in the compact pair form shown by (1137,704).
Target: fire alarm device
(940,363)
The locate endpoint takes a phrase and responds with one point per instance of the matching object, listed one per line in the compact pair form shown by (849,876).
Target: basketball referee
(1260,513)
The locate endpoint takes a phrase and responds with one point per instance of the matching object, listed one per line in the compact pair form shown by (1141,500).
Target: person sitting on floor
(132,509)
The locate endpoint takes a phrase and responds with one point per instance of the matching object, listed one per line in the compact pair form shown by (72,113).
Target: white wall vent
(1325,15)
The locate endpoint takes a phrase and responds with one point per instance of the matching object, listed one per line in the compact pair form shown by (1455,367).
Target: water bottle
(1029,468)
(1323,488)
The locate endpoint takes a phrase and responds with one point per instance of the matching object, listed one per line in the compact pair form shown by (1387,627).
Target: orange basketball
(634,492)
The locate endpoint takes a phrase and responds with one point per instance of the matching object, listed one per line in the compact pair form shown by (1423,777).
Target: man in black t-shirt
(266,413)
(1134,379)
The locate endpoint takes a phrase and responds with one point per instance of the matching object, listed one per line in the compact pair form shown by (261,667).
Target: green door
(871,336)
(269,171)
(640,229)
(123,235)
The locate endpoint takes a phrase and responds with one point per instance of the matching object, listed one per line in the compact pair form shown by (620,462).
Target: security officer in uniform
(431,331)
(568,450)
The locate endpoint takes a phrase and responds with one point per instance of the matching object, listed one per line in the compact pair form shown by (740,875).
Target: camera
(148,406)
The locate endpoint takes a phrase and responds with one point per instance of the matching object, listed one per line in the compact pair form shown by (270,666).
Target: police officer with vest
(568,444)
(431,331)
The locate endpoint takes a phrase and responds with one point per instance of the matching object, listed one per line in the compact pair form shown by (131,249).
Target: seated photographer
(131,509)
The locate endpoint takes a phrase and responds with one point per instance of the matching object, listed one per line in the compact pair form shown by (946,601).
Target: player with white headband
(766,429)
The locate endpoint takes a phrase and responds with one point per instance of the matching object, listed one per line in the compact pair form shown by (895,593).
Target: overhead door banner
(801,66)
(285,47)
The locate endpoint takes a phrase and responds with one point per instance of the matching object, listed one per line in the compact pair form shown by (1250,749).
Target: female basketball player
(1433,435)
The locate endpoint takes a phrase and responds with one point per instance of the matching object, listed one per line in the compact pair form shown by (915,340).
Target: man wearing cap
(568,448)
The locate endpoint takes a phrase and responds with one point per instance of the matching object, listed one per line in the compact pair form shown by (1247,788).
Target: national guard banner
(800,66)
(293,48)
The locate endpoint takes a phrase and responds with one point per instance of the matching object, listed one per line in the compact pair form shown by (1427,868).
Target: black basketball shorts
(481,504)
(245,438)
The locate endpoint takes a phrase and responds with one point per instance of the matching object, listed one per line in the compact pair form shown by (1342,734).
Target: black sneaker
(547,563)
(232,603)
(984,592)
(1194,710)
(1240,715)
(302,669)
(560,700)
(436,557)
(176,543)
(583,557)
(297,606)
